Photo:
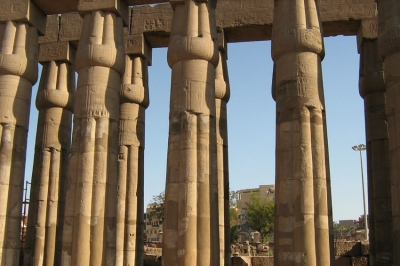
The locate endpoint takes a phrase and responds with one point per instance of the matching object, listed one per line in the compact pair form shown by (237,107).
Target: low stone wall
(348,253)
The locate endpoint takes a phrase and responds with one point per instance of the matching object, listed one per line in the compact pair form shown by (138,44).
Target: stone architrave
(222,94)
(372,89)
(18,72)
(91,208)
(302,203)
(134,101)
(191,194)
(389,48)
(53,140)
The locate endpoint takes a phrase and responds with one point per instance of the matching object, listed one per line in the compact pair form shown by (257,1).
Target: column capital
(137,45)
(23,11)
(222,43)
(120,7)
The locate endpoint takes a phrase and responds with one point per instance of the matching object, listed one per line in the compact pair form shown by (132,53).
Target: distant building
(153,227)
(266,193)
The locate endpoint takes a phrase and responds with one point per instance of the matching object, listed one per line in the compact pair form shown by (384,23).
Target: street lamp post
(360,148)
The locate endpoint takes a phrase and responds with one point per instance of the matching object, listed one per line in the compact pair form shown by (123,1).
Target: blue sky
(251,121)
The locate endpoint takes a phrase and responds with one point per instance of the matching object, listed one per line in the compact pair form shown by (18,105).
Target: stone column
(18,72)
(302,211)
(134,101)
(222,94)
(91,208)
(191,194)
(389,48)
(53,140)
(372,89)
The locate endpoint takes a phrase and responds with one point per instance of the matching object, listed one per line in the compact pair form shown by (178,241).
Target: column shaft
(134,101)
(302,203)
(222,94)
(389,48)
(47,200)
(191,195)
(18,72)
(90,219)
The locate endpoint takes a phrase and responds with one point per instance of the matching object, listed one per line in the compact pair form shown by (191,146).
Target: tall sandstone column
(134,101)
(18,72)
(389,48)
(191,195)
(302,211)
(222,94)
(53,139)
(91,209)
(372,89)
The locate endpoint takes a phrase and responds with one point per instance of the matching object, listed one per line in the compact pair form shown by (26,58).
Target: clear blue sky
(251,121)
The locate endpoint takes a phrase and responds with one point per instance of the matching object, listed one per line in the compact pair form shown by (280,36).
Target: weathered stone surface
(23,11)
(348,248)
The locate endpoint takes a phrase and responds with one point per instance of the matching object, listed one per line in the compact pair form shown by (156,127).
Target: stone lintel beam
(251,20)
(120,7)
(58,51)
(23,11)
(70,28)
(137,45)
(368,30)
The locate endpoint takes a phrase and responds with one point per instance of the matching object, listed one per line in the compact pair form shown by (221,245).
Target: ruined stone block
(59,51)
(23,11)
(262,261)
(241,261)
(364,248)
(348,248)
(137,45)
(118,6)
(342,261)
(52,30)
(359,261)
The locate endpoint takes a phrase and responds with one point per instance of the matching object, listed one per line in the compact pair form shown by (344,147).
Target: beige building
(266,193)
(153,229)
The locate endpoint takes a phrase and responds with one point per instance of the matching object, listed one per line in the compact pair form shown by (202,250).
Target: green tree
(260,215)
(233,216)
(157,207)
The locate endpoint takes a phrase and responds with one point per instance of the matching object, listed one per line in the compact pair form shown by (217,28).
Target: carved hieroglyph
(90,218)
(222,94)
(302,222)
(53,141)
(389,48)
(134,101)
(191,195)
(18,71)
